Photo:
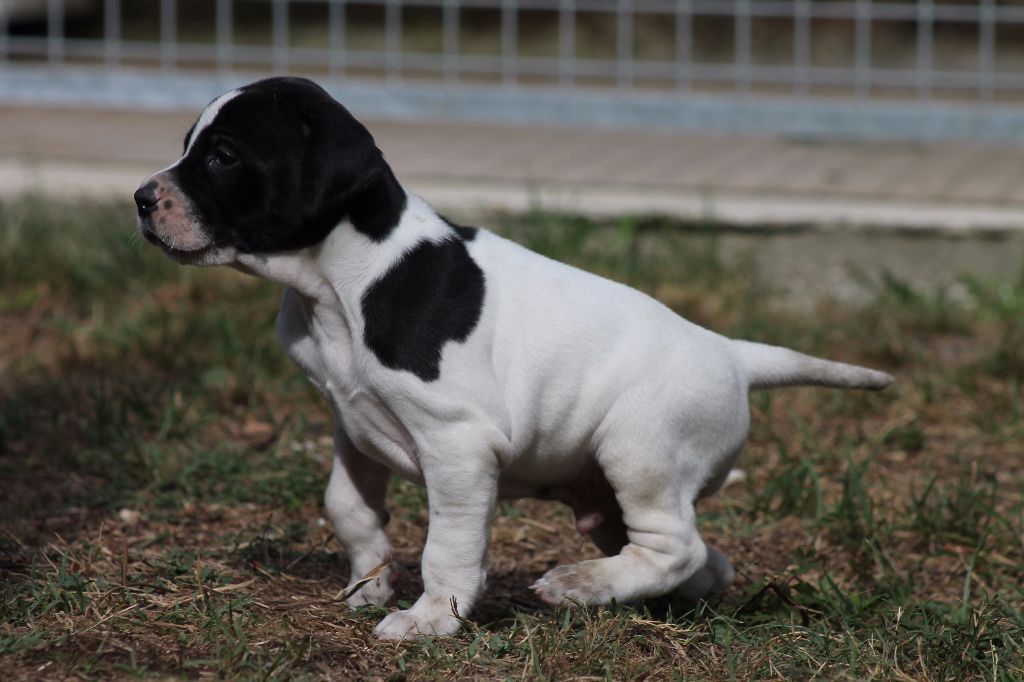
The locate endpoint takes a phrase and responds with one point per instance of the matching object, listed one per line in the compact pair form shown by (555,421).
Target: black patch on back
(433,295)
(466,234)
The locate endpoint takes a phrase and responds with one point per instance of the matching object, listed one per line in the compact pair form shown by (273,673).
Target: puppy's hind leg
(664,548)
(716,575)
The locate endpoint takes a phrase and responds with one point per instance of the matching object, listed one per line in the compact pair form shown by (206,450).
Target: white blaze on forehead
(210,113)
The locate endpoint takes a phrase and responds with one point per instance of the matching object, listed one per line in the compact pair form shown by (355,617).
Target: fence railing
(809,53)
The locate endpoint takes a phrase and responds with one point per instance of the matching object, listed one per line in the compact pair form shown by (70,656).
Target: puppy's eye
(223,157)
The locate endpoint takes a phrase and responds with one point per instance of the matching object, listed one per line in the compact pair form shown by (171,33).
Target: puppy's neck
(357,252)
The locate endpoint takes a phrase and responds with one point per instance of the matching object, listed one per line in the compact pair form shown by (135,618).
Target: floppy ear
(340,161)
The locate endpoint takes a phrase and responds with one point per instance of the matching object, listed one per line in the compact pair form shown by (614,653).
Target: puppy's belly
(531,469)
(587,492)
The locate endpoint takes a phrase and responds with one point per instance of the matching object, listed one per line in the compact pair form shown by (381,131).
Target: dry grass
(161,467)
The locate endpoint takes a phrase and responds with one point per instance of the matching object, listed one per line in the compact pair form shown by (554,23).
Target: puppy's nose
(146,199)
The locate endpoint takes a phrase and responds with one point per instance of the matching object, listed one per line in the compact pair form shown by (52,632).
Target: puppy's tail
(771,366)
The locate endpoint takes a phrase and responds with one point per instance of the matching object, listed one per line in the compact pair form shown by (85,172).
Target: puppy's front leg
(461,494)
(355,504)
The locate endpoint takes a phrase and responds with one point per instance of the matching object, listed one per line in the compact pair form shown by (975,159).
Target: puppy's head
(273,166)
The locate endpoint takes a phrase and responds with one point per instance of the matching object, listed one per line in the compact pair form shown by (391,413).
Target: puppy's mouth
(172,251)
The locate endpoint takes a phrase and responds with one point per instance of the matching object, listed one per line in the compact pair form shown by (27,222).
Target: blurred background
(794,113)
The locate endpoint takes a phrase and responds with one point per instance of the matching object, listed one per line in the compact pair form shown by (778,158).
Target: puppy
(461,361)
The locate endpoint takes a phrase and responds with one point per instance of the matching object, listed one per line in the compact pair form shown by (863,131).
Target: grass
(161,467)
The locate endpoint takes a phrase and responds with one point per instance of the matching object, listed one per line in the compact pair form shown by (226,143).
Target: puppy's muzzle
(166,217)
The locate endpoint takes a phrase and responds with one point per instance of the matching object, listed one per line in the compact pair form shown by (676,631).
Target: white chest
(322,345)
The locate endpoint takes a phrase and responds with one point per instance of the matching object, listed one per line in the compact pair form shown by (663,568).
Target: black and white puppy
(466,363)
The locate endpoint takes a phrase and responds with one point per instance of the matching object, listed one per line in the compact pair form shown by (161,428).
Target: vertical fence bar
(450,60)
(567,42)
(925,28)
(862,50)
(225,21)
(279,36)
(986,50)
(55,31)
(5,27)
(112,32)
(336,36)
(509,42)
(393,39)
(684,44)
(802,47)
(168,34)
(624,43)
(742,29)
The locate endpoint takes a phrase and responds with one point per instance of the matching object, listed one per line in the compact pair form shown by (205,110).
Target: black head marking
(433,295)
(344,174)
(376,210)
(281,165)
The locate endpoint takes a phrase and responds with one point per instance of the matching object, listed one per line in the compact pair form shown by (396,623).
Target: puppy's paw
(716,575)
(377,592)
(413,623)
(376,587)
(572,584)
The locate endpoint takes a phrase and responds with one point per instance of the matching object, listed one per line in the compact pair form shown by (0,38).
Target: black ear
(340,163)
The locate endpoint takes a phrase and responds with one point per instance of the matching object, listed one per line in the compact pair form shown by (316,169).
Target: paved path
(748,180)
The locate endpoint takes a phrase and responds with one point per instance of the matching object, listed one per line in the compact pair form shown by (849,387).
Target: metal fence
(861,67)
